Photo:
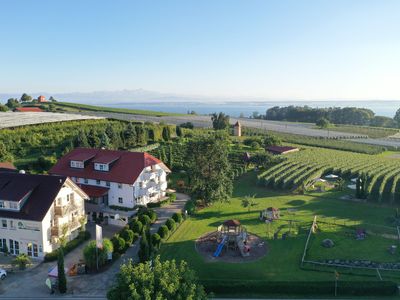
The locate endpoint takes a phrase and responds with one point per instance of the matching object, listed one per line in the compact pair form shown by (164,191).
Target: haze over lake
(381,108)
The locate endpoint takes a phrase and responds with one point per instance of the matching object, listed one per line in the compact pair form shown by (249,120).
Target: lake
(381,108)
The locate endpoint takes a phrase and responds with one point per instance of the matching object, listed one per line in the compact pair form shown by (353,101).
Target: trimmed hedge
(71,245)
(118,244)
(170,224)
(163,232)
(127,235)
(177,217)
(348,288)
(156,240)
(145,219)
(136,226)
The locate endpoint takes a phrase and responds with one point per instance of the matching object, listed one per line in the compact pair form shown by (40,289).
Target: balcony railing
(72,225)
(65,209)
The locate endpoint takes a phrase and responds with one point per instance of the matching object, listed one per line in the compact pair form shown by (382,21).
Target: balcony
(65,209)
(72,225)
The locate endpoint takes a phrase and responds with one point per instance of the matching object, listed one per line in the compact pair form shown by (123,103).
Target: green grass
(79,107)
(283,258)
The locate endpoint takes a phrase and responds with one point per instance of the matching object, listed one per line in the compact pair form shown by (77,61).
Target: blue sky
(274,49)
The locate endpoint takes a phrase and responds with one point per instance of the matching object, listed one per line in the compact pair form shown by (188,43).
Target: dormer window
(101,167)
(77,164)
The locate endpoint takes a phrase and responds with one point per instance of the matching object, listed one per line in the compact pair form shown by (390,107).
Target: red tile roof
(94,191)
(82,156)
(281,149)
(106,158)
(232,223)
(126,169)
(28,109)
(7,165)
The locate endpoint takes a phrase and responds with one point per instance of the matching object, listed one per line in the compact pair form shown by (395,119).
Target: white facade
(36,238)
(150,186)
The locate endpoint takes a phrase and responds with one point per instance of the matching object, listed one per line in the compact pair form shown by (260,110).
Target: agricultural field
(359,145)
(69,106)
(12,119)
(282,261)
(300,168)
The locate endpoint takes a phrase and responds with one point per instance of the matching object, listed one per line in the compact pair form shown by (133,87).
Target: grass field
(68,106)
(283,260)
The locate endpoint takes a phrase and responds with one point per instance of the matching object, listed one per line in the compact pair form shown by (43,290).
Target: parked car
(3,274)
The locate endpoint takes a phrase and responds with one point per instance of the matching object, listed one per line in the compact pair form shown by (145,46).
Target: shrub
(90,253)
(135,237)
(22,260)
(170,224)
(152,215)
(118,244)
(71,245)
(177,217)
(127,235)
(145,219)
(163,232)
(136,226)
(144,250)
(62,279)
(156,240)
(190,207)
(172,197)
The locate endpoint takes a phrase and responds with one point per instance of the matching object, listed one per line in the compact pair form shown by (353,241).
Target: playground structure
(270,214)
(233,236)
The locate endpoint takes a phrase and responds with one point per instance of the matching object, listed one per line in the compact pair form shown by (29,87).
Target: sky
(281,49)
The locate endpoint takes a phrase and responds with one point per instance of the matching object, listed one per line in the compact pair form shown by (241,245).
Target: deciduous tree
(209,169)
(157,280)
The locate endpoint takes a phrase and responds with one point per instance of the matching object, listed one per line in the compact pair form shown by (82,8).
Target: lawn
(283,258)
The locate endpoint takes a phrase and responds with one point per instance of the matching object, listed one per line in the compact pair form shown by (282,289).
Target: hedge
(348,288)
(170,224)
(163,231)
(71,245)
(177,217)
(156,240)
(136,226)
(145,219)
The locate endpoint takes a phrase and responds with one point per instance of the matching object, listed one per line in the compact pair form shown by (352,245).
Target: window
(120,200)
(98,182)
(112,217)
(107,183)
(101,167)
(3,244)
(12,224)
(4,223)
(86,180)
(2,204)
(58,202)
(13,205)
(120,185)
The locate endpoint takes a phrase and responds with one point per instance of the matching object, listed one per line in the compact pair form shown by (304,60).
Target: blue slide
(220,246)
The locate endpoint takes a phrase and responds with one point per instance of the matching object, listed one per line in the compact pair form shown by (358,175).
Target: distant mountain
(126,96)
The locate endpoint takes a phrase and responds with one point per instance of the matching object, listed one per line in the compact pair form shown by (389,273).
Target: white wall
(131,193)
(26,232)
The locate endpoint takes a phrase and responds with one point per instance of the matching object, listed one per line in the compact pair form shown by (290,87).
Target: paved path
(31,284)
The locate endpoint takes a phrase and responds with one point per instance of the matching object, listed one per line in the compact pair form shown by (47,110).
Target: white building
(114,178)
(36,210)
